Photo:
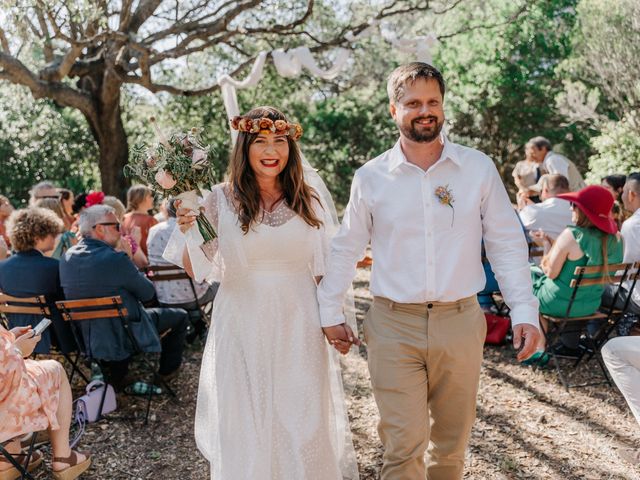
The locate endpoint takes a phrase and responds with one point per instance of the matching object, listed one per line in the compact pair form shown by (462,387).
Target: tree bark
(108,130)
(114,153)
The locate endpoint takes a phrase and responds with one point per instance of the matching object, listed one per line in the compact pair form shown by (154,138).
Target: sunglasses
(115,224)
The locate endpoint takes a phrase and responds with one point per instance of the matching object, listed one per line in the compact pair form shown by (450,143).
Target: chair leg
(150,396)
(75,368)
(22,469)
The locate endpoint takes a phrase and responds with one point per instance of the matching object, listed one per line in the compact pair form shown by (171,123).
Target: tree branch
(482,26)
(143,12)
(16,72)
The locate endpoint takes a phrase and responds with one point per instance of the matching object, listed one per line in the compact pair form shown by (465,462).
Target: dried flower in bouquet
(178,166)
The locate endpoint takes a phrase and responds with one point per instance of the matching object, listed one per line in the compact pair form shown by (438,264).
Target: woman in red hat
(592,241)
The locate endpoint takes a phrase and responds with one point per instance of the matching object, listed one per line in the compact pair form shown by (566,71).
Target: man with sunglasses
(95,268)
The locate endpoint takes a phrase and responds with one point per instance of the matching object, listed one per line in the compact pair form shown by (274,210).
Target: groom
(425,206)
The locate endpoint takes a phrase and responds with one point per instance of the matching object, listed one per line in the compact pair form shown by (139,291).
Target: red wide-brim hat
(596,202)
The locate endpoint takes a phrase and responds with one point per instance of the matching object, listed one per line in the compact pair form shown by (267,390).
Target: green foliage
(502,82)
(343,132)
(40,141)
(618,150)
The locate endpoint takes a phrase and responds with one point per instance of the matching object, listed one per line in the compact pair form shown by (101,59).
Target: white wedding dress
(270,400)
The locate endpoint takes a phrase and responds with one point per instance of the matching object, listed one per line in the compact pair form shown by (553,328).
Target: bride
(270,399)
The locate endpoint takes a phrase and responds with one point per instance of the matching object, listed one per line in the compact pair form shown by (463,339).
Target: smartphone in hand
(41,327)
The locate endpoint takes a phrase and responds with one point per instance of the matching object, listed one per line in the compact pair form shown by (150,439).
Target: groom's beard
(421,133)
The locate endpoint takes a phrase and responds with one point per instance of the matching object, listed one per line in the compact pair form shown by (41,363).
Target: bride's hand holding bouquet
(178,166)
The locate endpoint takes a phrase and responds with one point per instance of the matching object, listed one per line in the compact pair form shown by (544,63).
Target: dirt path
(528,427)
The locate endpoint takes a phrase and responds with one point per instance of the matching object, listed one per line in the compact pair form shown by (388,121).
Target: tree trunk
(114,153)
(108,130)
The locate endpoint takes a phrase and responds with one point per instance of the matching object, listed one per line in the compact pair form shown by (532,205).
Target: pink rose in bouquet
(165,179)
(199,158)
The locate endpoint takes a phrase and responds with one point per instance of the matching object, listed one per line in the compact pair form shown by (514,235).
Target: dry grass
(528,427)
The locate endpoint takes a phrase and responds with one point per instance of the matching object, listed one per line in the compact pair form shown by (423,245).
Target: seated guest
(621,355)
(552,215)
(129,241)
(67,200)
(592,241)
(175,293)
(42,190)
(139,203)
(29,273)
(79,202)
(631,236)
(553,162)
(5,210)
(162,215)
(93,268)
(64,240)
(35,396)
(615,184)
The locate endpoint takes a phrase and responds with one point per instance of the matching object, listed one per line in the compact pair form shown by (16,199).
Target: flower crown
(256,125)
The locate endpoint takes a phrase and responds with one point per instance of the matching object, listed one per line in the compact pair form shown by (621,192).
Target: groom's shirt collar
(398,158)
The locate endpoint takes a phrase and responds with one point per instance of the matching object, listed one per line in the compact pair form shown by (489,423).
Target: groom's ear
(392,110)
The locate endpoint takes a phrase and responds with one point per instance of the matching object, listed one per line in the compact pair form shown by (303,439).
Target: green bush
(40,141)
(618,147)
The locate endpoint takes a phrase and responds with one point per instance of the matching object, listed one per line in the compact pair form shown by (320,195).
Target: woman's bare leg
(60,437)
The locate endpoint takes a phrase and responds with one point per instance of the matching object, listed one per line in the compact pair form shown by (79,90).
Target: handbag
(497,328)
(88,405)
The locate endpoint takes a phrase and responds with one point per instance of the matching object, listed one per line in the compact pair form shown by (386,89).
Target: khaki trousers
(424,361)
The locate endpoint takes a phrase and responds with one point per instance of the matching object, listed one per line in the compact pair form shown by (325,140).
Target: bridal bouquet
(178,166)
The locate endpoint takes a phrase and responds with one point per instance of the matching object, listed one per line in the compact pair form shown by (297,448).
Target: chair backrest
(163,273)
(92,308)
(29,305)
(587,276)
(595,274)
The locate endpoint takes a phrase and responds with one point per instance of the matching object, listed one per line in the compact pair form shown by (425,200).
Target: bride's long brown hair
(244,186)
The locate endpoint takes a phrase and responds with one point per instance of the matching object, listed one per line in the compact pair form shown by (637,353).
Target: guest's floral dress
(29,391)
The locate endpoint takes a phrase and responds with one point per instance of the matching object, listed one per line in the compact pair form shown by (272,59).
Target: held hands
(525,340)
(341,337)
(186,218)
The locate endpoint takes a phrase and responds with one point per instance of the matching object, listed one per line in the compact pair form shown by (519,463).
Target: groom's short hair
(409,73)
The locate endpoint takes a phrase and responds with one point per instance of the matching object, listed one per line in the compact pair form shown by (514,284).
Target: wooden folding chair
(629,278)
(164,273)
(21,466)
(37,306)
(104,308)
(582,277)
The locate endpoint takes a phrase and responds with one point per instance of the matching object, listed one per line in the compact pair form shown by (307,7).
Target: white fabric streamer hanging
(290,63)
(228,88)
(419,46)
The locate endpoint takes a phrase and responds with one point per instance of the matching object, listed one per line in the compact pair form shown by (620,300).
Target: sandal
(142,389)
(75,468)
(13,473)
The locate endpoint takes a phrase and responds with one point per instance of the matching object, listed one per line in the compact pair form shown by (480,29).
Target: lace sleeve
(322,241)
(212,203)
(202,256)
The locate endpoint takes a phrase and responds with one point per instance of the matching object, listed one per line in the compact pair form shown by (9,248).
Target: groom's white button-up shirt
(424,250)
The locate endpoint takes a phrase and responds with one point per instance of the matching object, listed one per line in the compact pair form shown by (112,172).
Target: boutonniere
(445,197)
